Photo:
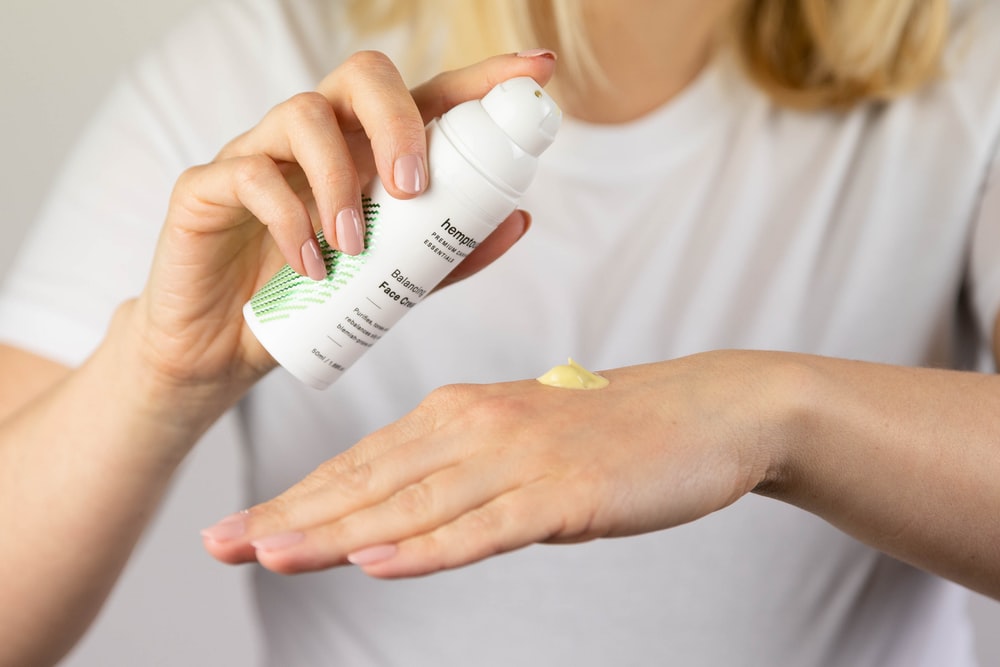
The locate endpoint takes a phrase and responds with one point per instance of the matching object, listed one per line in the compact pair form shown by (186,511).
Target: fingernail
(312,258)
(372,555)
(229,528)
(527,224)
(537,53)
(277,542)
(408,173)
(350,232)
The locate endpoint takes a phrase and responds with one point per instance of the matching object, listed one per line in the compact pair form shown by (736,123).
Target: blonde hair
(834,53)
(805,53)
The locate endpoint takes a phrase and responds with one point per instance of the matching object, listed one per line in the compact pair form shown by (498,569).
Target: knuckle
(353,480)
(474,406)
(339,177)
(487,524)
(446,550)
(461,405)
(431,550)
(308,106)
(369,61)
(186,182)
(276,511)
(249,170)
(448,396)
(189,174)
(497,412)
(414,500)
(405,132)
(338,465)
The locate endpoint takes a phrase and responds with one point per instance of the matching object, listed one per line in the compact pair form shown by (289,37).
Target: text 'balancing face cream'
(482,156)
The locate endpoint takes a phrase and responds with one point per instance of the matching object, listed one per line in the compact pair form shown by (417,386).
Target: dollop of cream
(573,376)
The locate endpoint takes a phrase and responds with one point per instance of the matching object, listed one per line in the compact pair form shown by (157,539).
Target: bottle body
(317,329)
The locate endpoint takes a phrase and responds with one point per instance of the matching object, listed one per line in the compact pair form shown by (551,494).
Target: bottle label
(317,329)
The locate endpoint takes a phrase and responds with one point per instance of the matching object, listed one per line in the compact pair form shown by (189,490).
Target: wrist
(787,383)
(179,406)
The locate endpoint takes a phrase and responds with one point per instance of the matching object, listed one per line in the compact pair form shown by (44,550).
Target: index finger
(451,88)
(369,93)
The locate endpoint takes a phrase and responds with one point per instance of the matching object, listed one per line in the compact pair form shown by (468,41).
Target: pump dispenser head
(525,113)
(499,139)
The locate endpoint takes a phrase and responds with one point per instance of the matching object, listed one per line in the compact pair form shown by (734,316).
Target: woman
(772,220)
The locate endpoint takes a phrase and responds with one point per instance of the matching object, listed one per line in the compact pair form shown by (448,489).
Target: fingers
(368,93)
(491,248)
(362,120)
(358,483)
(509,522)
(420,506)
(456,515)
(219,195)
(304,131)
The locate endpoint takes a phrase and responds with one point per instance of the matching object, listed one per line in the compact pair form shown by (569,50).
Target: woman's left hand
(478,470)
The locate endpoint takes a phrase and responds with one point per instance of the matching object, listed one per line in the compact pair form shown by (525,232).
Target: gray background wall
(174,605)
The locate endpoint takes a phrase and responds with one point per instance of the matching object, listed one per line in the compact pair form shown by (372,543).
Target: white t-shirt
(718,221)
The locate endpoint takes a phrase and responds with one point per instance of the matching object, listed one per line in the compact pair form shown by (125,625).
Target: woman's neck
(648,50)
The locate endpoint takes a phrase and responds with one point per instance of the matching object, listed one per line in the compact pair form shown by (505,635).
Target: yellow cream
(573,376)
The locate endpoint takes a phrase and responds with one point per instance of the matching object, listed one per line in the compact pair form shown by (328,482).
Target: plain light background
(174,605)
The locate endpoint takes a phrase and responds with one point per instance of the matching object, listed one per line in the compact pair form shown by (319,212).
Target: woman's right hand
(232,223)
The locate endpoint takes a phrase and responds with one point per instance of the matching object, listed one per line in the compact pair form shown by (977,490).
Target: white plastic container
(482,156)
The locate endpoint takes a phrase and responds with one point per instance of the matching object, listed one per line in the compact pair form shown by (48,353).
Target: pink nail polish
(312,258)
(537,53)
(371,555)
(350,232)
(278,541)
(229,528)
(409,175)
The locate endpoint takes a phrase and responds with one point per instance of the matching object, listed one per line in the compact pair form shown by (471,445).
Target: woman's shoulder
(270,41)
(252,54)
(226,63)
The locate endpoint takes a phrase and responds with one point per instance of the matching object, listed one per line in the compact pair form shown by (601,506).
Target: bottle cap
(524,112)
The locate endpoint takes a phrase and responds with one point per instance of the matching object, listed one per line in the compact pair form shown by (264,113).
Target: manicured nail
(409,175)
(537,53)
(312,258)
(277,542)
(229,528)
(372,555)
(350,232)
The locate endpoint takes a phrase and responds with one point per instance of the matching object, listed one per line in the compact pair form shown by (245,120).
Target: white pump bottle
(482,156)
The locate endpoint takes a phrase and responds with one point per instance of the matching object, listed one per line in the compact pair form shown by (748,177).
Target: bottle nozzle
(524,112)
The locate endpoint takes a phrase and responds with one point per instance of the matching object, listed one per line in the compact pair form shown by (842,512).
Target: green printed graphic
(288,292)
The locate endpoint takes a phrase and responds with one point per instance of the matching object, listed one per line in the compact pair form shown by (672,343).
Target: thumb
(492,247)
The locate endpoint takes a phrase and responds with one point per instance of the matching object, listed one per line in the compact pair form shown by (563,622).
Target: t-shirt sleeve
(984,265)
(976,70)
(90,249)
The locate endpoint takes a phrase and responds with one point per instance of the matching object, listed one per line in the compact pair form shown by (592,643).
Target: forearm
(82,468)
(905,459)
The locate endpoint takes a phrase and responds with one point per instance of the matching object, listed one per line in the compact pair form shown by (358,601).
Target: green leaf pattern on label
(288,292)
